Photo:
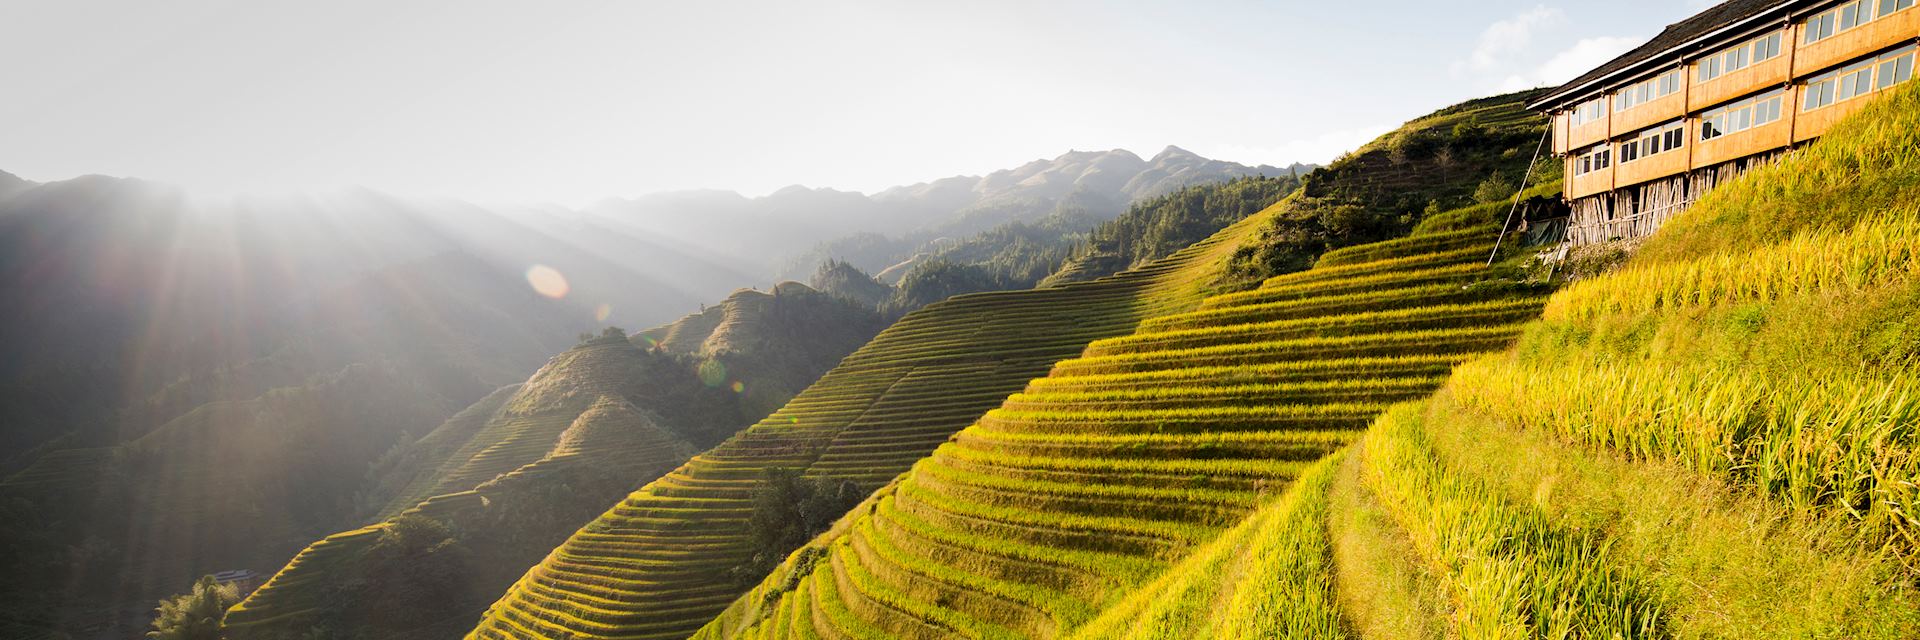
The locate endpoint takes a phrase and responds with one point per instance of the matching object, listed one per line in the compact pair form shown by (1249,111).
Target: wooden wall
(1646,115)
(1766,137)
(1591,183)
(1653,167)
(1815,123)
(1893,29)
(1753,79)
(1585,134)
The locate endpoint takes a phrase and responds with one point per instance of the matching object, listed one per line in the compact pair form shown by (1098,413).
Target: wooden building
(1646,134)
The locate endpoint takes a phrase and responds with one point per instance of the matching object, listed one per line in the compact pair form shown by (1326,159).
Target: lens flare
(547,281)
(739,387)
(602,312)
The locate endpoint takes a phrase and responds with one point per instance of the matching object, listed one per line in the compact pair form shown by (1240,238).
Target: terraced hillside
(1124,460)
(510,476)
(656,564)
(546,452)
(1718,438)
(774,343)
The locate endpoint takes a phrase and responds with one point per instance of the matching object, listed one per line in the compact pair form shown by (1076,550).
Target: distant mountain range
(278,346)
(789,232)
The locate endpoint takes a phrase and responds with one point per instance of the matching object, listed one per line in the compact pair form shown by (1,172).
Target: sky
(571,101)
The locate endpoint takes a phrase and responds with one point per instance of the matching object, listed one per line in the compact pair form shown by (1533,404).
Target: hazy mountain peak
(10,183)
(1172,152)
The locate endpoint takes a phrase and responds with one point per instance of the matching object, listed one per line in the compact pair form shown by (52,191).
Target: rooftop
(1676,35)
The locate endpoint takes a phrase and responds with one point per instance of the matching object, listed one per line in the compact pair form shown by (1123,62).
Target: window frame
(1594,158)
(1652,141)
(1599,106)
(1648,90)
(1745,114)
(1832,22)
(1829,87)
(1720,63)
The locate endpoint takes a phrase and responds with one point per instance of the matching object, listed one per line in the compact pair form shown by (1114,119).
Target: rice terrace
(1626,346)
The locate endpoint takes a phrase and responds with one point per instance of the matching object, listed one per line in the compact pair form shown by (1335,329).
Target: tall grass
(1508,572)
(1820,260)
(1842,443)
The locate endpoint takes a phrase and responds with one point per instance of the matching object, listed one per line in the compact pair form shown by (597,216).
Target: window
(1590,111)
(1818,93)
(1818,28)
(1854,14)
(1744,55)
(1895,71)
(1766,48)
(1847,16)
(1640,93)
(1653,141)
(1740,116)
(1592,161)
(1854,81)
(1858,79)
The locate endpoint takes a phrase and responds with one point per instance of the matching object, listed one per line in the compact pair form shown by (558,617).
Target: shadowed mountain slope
(509,477)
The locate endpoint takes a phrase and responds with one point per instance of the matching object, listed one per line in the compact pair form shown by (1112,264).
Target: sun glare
(547,281)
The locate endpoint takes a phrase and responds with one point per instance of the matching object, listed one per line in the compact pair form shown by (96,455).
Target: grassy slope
(1385,189)
(1715,440)
(650,567)
(555,421)
(1124,461)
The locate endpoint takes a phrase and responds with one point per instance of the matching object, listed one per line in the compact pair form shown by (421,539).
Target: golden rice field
(1716,440)
(655,565)
(1145,449)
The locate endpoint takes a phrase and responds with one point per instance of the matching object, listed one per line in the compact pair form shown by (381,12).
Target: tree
(195,615)
(789,510)
(1495,188)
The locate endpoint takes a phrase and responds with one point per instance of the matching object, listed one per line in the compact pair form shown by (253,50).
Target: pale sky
(573,101)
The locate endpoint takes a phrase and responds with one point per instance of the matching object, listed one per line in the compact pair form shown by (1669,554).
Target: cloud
(1319,149)
(1583,56)
(1513,53)
(1508,40)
